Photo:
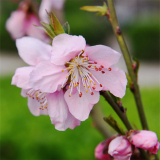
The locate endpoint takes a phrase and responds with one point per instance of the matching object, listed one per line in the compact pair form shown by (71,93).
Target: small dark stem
(116,108)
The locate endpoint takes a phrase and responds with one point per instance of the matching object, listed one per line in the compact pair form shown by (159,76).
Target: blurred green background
(23,136)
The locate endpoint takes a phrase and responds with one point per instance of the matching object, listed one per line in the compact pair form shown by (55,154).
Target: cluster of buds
(123,147)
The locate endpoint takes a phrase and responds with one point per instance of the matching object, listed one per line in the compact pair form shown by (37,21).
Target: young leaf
(113,123)
(48,29)
(135,66)
(102,10)
(66,28)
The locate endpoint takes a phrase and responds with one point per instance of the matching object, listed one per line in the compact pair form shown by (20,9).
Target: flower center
(79,70)
(40,97)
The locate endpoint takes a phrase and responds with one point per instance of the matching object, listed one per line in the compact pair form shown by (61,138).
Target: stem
(98,121)
(122,116)
(113,19)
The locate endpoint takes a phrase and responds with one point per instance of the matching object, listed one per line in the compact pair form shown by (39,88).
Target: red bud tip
(89,66)
(100,85)
(109,69)
(103,71)
(93,87)
(77,82)
(95,62)
(92,93)
(96,69)
(100,69)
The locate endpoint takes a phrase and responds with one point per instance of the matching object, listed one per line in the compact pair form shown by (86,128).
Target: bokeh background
(23,136)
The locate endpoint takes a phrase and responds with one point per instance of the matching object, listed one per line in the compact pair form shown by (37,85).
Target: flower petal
(59,113)
(33,31)
(103,55)
(32,50)
(47,77)
(114,81)
(21,77)
(65,47)
(15,25)
(34,105)
(80,107)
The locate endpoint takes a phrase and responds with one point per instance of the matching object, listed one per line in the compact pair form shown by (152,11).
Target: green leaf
(48,29)
(102,10)
(66,28)
(58,29)
(113,123)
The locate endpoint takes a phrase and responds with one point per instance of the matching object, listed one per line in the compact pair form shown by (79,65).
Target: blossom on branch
(22,22)
(144,139)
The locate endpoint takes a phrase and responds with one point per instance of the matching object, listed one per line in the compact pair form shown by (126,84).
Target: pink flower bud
(120,148)
(101,151)
(144,139)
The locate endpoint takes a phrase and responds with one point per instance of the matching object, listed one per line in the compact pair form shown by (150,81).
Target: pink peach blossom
(21,23)
(144,139)
(101,151)
(80,72)
(120,148)
(32,51)
(48,5)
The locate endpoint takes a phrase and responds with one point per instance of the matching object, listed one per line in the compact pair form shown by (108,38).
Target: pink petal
(34,105)
(65,47)
(80,107)
(32,50)
(103,55)
(21,77)
(15,25)
(47,77)
(32,30)
(114,81)
(59,113)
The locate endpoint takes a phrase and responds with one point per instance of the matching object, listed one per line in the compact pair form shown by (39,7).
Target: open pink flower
(144,139)
(22,21)
(32,51)
(81,73)
(48,5)
(120,148)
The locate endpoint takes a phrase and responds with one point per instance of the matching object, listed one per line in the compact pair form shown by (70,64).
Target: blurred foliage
(24,136)
(145,38)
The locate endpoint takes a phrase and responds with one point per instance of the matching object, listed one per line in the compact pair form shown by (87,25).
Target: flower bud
(144,139)
(101,151)
(120,148)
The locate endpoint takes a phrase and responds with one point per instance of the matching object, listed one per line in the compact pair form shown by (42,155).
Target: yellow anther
(71,70)
(76,57)
(66,62)
(90,74)
(77,65)
(90,65)
(74,76)
(71,73)
(80,72)
(42,106)
(74,85)
(90,81)
(75,62)
(84,85)
(94,66)
(82,61)
(73,82)
(69,95)
(61,87)
(67,77)
(86,91)
(69,87)
(88,86)
(85,78)
(94,83)
(30,95)
(45,107)
(36,93)
(62,70)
